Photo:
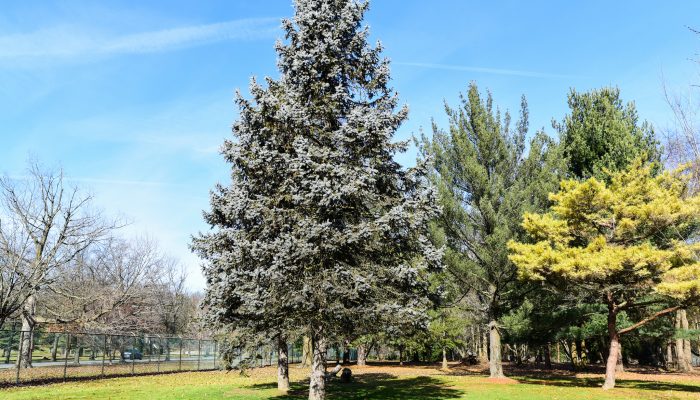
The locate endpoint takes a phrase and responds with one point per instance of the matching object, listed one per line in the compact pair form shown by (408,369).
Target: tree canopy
(630,243)
(602,134)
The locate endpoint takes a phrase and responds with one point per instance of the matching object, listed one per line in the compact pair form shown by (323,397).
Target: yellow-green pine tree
(629,243)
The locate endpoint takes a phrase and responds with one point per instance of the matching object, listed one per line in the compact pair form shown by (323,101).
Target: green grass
(369,383)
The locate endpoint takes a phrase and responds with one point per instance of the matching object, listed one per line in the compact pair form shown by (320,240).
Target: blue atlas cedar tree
(320,228)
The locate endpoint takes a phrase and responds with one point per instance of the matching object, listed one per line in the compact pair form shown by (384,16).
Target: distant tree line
(64,265)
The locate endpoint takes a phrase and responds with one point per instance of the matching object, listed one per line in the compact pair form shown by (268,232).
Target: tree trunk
(27,344)
(495,364)
(484,353)
(282,365)
(78,351)
(400,355)
(444,358)
(684,357)
(620,367)
(361,354)
(473,345)
(317,383)
(306,353)
(613,355)
(686,342)
(548,356)
(346,352)
(574,356)
(669,356)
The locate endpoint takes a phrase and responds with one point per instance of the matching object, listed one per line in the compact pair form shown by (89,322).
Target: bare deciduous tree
(683,138)
(45,225)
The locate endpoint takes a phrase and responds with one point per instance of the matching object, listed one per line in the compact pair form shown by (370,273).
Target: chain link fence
(61,356)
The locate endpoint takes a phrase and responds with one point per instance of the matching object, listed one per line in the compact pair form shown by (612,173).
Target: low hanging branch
(649,319)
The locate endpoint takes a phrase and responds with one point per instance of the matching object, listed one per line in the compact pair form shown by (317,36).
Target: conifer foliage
(485,180)
(630,244)
(320,228)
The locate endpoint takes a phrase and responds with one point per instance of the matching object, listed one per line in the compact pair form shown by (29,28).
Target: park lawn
(374,382)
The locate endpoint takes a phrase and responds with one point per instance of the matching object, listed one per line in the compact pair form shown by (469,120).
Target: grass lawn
(372,382)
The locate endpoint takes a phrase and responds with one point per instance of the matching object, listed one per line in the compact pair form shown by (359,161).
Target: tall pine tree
(486,180)
(320,228)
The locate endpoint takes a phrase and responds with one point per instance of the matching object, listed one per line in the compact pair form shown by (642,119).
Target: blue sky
(133,99)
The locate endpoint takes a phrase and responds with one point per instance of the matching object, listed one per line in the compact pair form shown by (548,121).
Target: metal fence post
(150,349)
(19,356)
(158,355)
(216,353)
(199,353)
(133,356)
(65,360)
(104,353)
(180,362)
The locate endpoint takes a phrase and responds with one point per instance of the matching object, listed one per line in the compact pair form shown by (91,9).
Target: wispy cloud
(121,182)
(69,42)
(486,70)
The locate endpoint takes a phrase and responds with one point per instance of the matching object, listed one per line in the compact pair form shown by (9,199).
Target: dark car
(132,354)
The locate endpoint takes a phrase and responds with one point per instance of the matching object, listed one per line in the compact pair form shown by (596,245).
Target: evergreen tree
(320,228)
(630,244)
(485,181)
(601,133)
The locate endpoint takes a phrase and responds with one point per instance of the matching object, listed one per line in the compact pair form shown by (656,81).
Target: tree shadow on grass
(569,381)
(375,386)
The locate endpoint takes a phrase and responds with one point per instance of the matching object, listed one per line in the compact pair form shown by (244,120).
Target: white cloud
(68,42)
(486,70)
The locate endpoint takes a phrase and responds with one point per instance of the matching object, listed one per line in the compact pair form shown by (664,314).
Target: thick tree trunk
(361,354)
(282,365)
(27,343)
(306,353)
(317,383)
(548,356)
(444,359)
(495,364)
(683,357)
(611,366)
(686,342)
(620,367)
